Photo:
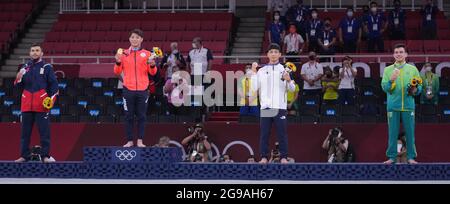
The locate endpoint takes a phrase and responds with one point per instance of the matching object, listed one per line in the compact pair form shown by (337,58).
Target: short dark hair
(274,46)
(400,45)
(327,19)
(350,8)
(373,3)
(137,32)
(314,9)
(36,45)
(199,39)
(292,24)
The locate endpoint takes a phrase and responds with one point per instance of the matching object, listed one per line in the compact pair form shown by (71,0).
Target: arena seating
(13,17)
(102,34)
(413,38)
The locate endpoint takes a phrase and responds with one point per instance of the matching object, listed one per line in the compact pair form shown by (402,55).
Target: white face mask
(314,15)
(428,69)
(276,18)
(350,14)
(373,9)
(399,148)
(194,45)
(175,51)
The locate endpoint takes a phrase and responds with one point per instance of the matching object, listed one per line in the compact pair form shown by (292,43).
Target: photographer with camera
(198,146)
(337,147)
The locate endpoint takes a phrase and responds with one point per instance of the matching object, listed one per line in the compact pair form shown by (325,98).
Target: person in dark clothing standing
(40,88)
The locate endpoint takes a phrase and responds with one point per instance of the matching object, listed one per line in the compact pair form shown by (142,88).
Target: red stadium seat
(208,25)
(103,26)
(184,47)
(189,35)
(178,25)
(113,36)
(74,26)
(442,24)
(445,46)
(158,36)
(147,26)
(444,34)
(67,36)
(108,48)
(83,36)
(91,48)
(89,26)
(125,36)
(98,36)
(220,36)
(133,25)
(193,26)
(207,36)
(59,27)
(119,26)
(10,26)
(415,46)
(17,17)
(76,48)
(61,48)
(163,26)
(174,36)
(412,24)
(431,47)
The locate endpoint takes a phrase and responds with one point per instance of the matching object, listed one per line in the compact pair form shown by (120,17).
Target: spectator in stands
(248,96)
(429,26)
(311,73)
(164,141)
(198,146)
(313,28)
(401,148)
(361,19)
(273,82)
(397,22)
(172,59)
(298,14)
(225,159)
(280,6)
(136,64)
(199,54)
(330,84)
(374,25)
(38,81)
(430,92)
(400,103)
(347,75)
(276,30)
(292,101)
(293,44)
(350,32)
(251,159)
(174,100)
(327,39)
(336,146)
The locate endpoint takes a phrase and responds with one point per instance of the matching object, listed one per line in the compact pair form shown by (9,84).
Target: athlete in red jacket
(135,64)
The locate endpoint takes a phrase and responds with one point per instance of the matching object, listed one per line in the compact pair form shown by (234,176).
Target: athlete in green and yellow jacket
(396,83)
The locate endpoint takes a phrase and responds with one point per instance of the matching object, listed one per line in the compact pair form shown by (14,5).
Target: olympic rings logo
(125,155)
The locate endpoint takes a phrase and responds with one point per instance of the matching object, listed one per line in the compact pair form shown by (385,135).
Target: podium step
(132,155)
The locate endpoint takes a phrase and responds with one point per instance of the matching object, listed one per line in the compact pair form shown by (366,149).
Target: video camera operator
(337,147)
(198,146)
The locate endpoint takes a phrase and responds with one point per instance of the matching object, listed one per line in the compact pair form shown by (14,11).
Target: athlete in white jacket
(273,82)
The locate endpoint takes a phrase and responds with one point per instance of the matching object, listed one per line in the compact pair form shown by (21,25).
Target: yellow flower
(157,52)
(291,66)
(47,103)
